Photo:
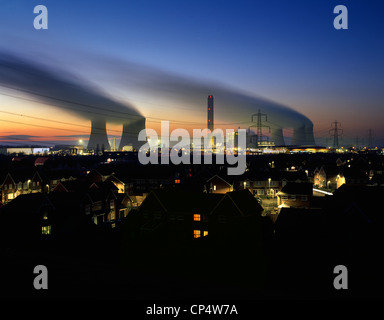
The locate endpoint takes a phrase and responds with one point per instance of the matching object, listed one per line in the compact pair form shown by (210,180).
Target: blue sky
(287,51)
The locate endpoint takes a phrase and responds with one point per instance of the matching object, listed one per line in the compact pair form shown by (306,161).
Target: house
(296,195)
(101,201)
(236,218)
(328,177)
(53,177)
(21,181)
(27,219)
(217,184)
(269,182)
(174,215)
(40,161)
(135,179)
(71,185)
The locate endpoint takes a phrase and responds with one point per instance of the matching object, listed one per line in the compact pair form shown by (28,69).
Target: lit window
(214,187)
(205,233)
(196,233)
(177,181)
(284,198)
(196,217)
(46,230)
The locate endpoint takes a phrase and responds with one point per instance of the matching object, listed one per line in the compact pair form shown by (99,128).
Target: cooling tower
(299,136)
(277,137)
(303,135)
(98,139)
(309,137)
(130,134)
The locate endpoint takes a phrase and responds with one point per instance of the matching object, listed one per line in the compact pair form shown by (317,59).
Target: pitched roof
(298,188)
(220,178)
(25,204)
(245,202)
(176,200)
(22,174)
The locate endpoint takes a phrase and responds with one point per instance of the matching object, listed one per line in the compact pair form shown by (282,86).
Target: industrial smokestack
(210,124)
(98,139)
(130,134)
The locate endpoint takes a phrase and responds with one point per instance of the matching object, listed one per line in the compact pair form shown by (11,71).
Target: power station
(88,102)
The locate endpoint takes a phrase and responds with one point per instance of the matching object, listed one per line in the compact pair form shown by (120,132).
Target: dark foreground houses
(120,230)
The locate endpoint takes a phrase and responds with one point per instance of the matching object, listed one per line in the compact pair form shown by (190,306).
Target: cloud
(65,91)
(23,137)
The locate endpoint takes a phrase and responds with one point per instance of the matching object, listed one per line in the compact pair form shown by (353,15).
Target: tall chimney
(210,113)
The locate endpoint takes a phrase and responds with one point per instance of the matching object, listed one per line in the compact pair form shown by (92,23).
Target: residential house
(52,178)
(328,177)
(269,182)
(21,181)
(296,195)
(217,184)
(174,215)
(26,220)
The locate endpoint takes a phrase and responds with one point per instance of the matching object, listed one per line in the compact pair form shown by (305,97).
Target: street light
(269,185)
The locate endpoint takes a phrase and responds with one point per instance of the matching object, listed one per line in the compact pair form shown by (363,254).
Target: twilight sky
(284,51)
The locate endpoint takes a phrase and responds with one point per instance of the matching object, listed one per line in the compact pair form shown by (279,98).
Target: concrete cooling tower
(130,134)
(277,136)
(98,139)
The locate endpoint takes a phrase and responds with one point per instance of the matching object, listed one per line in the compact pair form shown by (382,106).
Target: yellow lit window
(196,233)
(196,217)
(205,233)
(46,230)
